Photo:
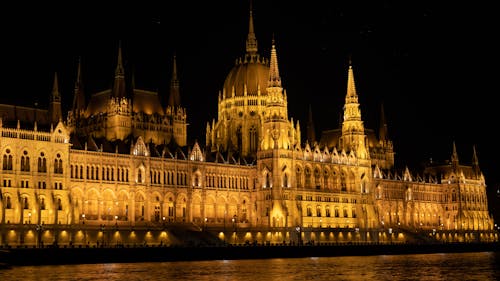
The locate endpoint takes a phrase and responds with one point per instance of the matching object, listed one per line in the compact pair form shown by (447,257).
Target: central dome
(254,73)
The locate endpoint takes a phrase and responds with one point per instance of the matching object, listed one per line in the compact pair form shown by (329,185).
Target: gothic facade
(122,160)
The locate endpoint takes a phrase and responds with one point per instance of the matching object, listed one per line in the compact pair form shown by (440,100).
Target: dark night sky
(428,63)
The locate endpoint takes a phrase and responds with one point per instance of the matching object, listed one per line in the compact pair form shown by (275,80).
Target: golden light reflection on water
(466,266)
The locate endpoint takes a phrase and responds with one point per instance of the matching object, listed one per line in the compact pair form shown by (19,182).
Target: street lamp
(205,224)
(83,218)
(29,218)
(116,220)
(39,230)
(299,236)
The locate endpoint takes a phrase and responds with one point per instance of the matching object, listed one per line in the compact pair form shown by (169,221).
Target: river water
(454,266)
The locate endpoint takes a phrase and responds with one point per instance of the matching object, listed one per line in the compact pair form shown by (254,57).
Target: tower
(77,112)
(118,123)
(275,161)
(353,131)
(175,113)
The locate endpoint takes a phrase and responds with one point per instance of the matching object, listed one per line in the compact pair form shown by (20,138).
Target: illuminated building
(118,169)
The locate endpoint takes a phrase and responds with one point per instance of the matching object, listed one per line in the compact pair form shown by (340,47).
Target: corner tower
(275,161)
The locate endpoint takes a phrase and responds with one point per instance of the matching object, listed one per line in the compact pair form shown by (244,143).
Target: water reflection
(465,266)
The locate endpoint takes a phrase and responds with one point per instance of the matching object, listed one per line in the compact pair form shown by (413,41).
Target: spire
(351,87)
(454,157)
(274,75)
(119,83)
(352,111)
(175,98)
(79,96)
(55,102)
(311,134)
(383,125)
(56,96)
(353,130)
(251,38)
(475,161)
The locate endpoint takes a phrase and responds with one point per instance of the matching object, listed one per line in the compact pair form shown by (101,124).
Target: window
(318,211)
(343,185)
(267,181)
(7,160)
(308,177)
(239,139)
(309,212)
(317,180)
(298,175)
(253,139)
(58,166)
(25,162)
(42,163)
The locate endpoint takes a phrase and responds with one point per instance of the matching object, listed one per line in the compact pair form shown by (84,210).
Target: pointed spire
(175,98)
(55,102)
(119,71)
(353,130)
(311,134)
(383,125)
(351,86)
(79,96)
(475,162)
(274,75)
(119,83)
(56,96)
(454,157)
(251,46)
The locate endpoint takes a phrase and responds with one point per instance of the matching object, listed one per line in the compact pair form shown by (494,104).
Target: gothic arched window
(253,139)
(239,140)
(58,165)
(42,163)
(25,162)
(7,160)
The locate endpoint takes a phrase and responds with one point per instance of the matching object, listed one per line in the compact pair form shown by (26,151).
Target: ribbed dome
(252,74)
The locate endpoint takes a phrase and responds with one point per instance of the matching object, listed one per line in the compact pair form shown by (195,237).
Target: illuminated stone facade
(118,170)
